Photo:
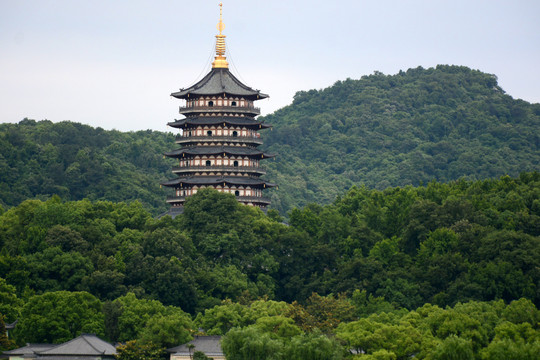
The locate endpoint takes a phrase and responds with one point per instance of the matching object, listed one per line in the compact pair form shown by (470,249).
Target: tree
(150,320)
(5,342)
(136,350)
(507,349)
(59,316)
(251,343)
(10,304)
(454,348)
(314,346)
(168,330)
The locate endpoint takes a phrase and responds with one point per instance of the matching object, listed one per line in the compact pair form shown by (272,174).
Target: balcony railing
(254,199)
(173,199)
(245,199)
(180,139)
(236,109)
(218,168)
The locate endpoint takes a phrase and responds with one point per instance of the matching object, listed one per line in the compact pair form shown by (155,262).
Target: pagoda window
(233,103)
(210,103)
(237,193)
(208,163)
(209,133)
(235,133)
(235,163)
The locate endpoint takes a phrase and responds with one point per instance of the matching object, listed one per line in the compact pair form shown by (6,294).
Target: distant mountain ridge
(440,123)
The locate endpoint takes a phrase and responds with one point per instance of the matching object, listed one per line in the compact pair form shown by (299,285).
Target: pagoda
(219,137)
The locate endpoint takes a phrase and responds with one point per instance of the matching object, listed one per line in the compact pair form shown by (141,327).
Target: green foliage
(199,355)
(313,347)
(169,330)
(136,350)
(507,349)
(385,251)
(254,342)
(251,343)
(466,331)
(75,161)
(410,128)
(151,321)
(419,125)
(324,313)
(454,348)
(5,342)
(221,318)
(56,317)
(10,304)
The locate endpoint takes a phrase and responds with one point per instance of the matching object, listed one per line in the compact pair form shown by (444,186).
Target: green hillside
(396,258)
(382,130)
(439,124)
(75,161)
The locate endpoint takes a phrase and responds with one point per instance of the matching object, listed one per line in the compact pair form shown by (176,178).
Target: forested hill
(382,130)
(75,161)
(440,123)
(453,265)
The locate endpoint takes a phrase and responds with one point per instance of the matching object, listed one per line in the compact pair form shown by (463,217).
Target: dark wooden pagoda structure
(219,137)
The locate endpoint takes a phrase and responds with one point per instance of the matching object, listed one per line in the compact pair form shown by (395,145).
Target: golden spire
(220,60)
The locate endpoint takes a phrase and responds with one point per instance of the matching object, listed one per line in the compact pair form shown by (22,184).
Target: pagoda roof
(29,350)
(214,180)
(211,150)
(84,345)
(219,81)
(213,120)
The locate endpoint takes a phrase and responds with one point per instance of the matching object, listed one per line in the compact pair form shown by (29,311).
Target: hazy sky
(113,64)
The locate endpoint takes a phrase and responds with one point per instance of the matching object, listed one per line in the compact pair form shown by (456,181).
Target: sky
(113,64)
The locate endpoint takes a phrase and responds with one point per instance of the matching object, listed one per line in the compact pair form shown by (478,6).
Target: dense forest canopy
(441,123)
(405,235)
(75,162)
(424,256)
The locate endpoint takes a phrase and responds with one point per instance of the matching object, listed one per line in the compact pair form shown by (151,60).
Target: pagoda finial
(220,59)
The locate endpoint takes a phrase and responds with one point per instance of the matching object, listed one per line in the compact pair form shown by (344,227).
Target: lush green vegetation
(75,162)
(382,130)
(432,269)
(441,123)
(122,274)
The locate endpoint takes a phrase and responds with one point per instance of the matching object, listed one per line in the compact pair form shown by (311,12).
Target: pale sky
(113,64)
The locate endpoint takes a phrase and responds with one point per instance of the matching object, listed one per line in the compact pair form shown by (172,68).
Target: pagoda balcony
(234,109)
(180,139)
(244,199)
(175,199)
(218,168)
(254,199)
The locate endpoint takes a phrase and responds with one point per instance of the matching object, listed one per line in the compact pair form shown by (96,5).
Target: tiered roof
(216,180)
(214,150)
(217,82)
(215,120)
